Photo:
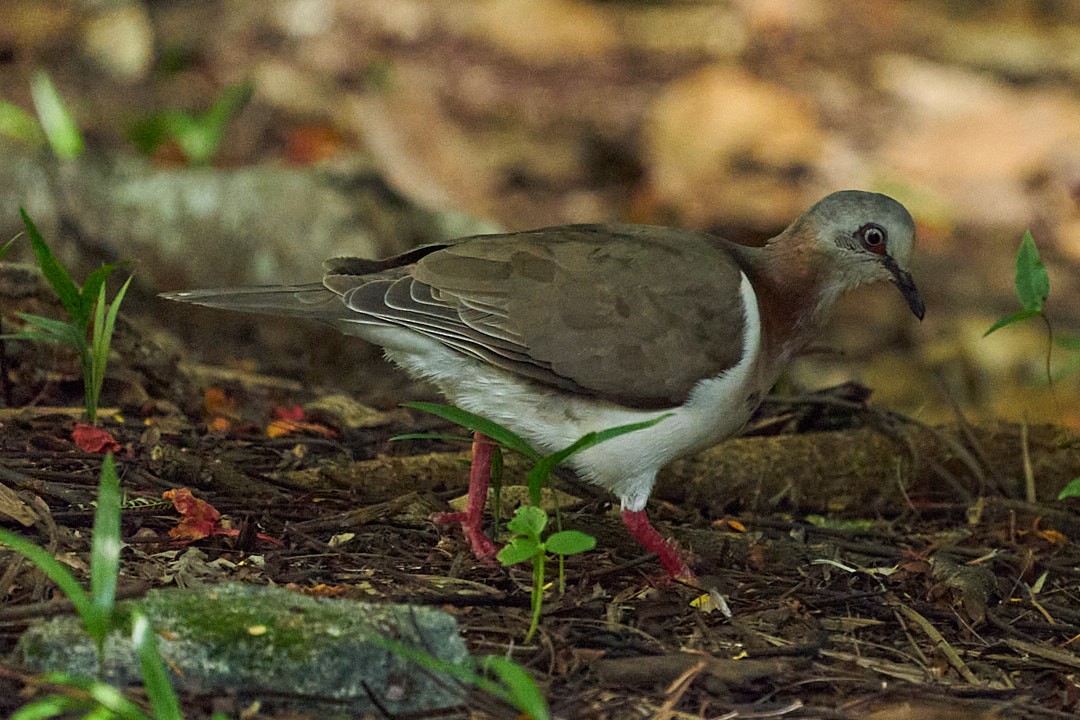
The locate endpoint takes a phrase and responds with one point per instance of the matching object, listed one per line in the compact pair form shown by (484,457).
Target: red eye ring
(873,238)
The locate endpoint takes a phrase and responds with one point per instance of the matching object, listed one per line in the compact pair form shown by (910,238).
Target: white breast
(551,419)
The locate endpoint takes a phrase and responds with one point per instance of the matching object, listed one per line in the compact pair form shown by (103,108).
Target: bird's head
(865,237)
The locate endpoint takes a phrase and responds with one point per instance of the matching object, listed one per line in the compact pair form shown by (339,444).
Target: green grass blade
(47,707)
(56,120)
(7,246)
(52,330)
(155,677)
(466,419)
(432,436)
(106,696)
(463,672)
(88,296)
(55,571)
(543,468)
(521,689)
(105,543)
(54,272)
(104,324)
(20,125)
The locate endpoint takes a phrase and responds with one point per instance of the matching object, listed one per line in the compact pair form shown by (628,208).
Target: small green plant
(54,124)
(94,607)
(528,544)
(97,609)
(197,135)
(497,676)
(56,120)
(1032,284)
(90,340)
(529,522)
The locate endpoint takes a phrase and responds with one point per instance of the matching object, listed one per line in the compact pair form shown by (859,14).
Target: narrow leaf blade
(521,689)
(54,272)
(53,569)
(508,439)
(105,543)
(155,677)
(56,120)
(1010,319)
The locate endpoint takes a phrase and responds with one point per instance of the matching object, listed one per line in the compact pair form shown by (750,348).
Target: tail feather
(312,300)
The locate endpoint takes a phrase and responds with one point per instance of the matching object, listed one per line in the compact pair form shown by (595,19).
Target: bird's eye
(872,237)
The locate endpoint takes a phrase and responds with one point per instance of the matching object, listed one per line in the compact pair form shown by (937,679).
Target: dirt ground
(854,562)
(948,605)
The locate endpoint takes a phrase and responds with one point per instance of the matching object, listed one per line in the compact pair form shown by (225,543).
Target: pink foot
(637,522)
(472,517)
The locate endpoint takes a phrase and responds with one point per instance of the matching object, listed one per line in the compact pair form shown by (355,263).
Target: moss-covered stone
(269,643)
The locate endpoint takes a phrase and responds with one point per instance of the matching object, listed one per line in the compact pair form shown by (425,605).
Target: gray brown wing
(634,314)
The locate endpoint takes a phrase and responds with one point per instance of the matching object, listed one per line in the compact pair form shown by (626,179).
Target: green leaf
(20,125)
(91,287)
(1032,281)
(104,324)
(105,542)
(55,571)
(105,695)
(47,707)
(54,272)
(432,436)
(149,133)
(476,423)
(1070,490)
(569,542)
(155,677)
(541,471)
(522,691)
(199,136)
(56,120)
(7,246)
(43,328)
(1010,319)
(465,672)
(528,520)
(1069,342)
(519,549)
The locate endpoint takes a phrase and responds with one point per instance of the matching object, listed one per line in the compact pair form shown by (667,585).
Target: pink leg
(483,448)
(637,522)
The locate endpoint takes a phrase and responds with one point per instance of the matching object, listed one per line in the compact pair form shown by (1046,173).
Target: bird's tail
(312,300)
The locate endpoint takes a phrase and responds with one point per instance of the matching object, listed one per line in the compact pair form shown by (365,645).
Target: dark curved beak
(906,284)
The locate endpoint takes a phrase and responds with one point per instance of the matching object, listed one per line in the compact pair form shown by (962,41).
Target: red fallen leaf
(200,519)
(281,428)
(292,412)
(310,144)
(94,440)
(217,404)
